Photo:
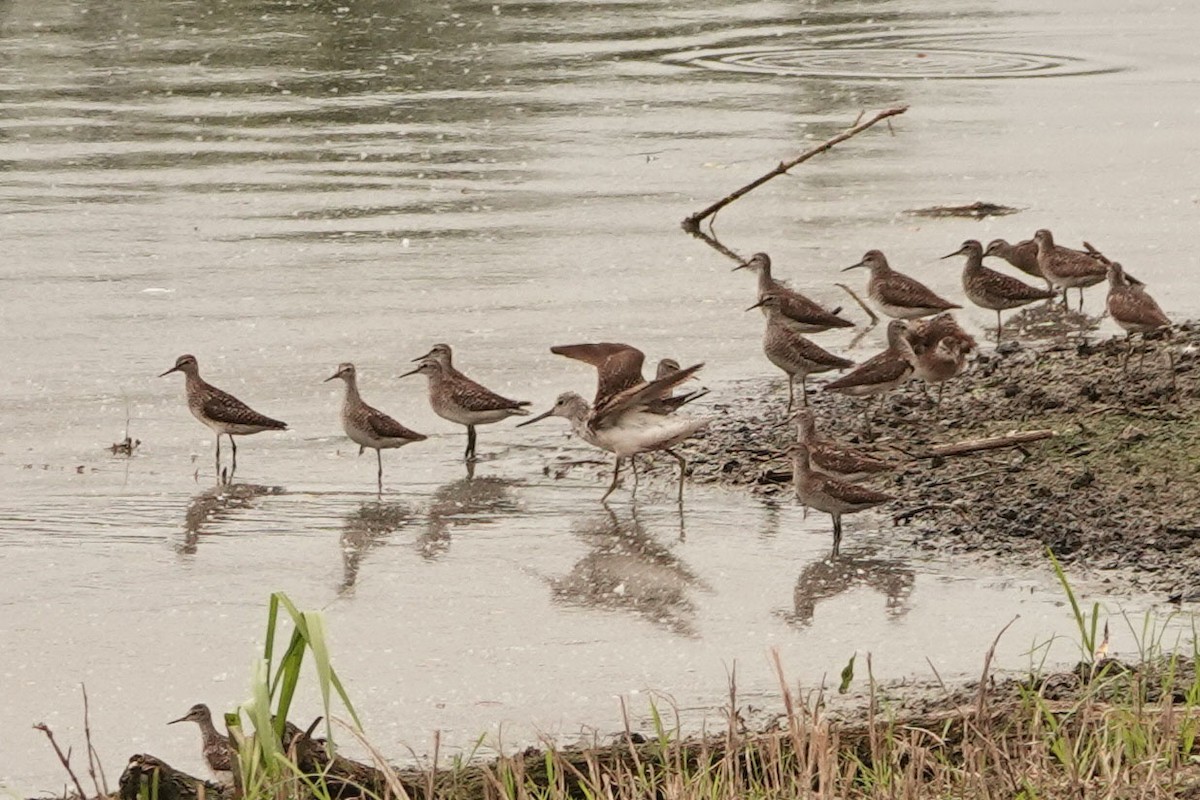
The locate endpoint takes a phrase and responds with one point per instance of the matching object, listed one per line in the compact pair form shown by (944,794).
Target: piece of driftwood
(692,223)
(988,443)
(976,210)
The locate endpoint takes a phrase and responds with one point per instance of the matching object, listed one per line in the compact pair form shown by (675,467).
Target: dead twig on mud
(93,757)
(63,758)
(692,223)
(989,443)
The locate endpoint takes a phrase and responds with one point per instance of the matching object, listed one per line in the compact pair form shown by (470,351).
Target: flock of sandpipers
(631,415)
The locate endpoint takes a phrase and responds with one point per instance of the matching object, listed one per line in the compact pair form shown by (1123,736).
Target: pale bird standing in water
(627,425)
(457,398)
(220,411)
(367,426)
(896,294)
(831,458)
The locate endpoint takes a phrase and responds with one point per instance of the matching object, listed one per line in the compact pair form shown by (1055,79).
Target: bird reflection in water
(213,506)
(466,501)
(627,569)
(830,577)
(364,528)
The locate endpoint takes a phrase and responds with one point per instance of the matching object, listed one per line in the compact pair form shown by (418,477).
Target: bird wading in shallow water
(626,424)
(457,398)
(806,315)
(367,426)
(220,411)
(833,496)
(993,290)
(796,355)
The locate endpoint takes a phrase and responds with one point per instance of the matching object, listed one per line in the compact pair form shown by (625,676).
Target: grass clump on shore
(1105,729)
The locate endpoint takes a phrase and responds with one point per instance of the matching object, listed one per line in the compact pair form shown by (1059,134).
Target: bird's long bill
(183,718)
(756,305)
(538,418)
(421,358)
(410,372)
(742,265)
(957,252)
(853,266)
(334,375)
(168,372)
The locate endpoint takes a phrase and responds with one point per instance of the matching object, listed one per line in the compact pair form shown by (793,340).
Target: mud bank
(1115,492)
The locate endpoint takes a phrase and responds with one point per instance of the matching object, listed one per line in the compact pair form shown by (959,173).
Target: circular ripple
(896,63)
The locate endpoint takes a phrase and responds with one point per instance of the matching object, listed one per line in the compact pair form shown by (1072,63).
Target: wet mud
(1115,492)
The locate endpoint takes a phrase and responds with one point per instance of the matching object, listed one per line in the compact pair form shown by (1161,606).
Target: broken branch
(692,223)
(988,443)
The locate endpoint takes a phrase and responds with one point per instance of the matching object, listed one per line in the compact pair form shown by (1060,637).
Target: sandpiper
(457,398)
(833,459)
(807,315)
(896,294)
(1066,268)
(792,352)
(221,411)
(882,372)
(626,425)
(213,746)
(993,290)
(1133,309)
(940,348)
(367,426)
(1022,255)
(833,496)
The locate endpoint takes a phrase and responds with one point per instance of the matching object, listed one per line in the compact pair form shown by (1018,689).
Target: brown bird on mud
(787,349)
(830,458)
(882,372)
(993,290)
(214,747)
(1133,309)
(940,347)
(834,497)
(807,315)
(896,294)
(220,411)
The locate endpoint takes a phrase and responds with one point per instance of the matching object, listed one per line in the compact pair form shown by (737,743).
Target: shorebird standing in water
(896,294)
(993,290)
(794,354)
(1134,310)
(806,315)
(627,424)
(214,747)
(1022,255)
(834,497)
(457,398)
(367,426)
(220,411)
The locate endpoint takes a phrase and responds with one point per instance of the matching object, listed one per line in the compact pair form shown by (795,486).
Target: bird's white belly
(640,432)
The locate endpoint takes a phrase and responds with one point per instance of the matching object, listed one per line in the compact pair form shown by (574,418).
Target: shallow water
(278,187)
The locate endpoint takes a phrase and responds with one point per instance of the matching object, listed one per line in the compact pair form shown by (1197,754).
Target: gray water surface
(281,186)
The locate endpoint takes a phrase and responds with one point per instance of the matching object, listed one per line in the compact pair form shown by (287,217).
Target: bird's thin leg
(804,390)
(217,463)
(999,326)
(1171,366)
(791,391)
(1066,304)
(470,454)
(682,469)
(837,533)
(633,466)
(233,466)
(616,474)
(1142,354)
(1081,298)
(379,474)
(941,388)
(1128,351)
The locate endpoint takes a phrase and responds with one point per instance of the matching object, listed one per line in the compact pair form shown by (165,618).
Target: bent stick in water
(692,224)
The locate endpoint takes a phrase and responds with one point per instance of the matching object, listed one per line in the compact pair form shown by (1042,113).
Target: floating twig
(692,223)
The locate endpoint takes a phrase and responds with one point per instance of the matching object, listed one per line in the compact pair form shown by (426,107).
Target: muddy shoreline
(1115,493)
